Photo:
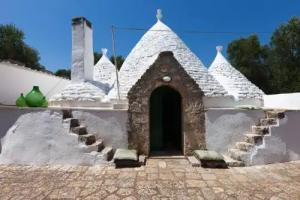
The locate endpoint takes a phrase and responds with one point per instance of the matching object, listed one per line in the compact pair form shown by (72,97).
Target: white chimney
(82,50)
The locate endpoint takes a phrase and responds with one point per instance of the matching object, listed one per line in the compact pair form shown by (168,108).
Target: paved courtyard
(159,179)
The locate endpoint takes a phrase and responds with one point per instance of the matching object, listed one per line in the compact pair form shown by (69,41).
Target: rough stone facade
(193,117)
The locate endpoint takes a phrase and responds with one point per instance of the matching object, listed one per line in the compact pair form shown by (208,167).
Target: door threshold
(166,155)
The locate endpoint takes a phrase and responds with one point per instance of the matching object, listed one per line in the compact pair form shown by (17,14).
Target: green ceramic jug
(45,103)
(35,97)
(21,101)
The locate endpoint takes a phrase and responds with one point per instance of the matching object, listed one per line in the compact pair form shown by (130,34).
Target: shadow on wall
(226,127)
(40,138)
(283,143)
(110,126)
(8,116)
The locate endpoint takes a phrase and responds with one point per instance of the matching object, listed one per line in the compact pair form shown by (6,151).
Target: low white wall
(16,79)
(225,127)
(230,102)
(289,101)
(283,144)
(39,136)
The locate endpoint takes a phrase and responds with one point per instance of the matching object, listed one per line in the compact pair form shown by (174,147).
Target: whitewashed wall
(15,79)
(38,135)
(283,101)
(225,127)
(283,143)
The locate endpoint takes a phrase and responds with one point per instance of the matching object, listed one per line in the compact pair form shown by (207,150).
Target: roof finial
(104,51)
(159,14)
(219,48)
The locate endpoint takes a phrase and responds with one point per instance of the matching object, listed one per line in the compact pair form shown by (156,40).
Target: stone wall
(193,117)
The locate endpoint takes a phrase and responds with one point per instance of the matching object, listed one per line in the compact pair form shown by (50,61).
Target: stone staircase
(241,154)
(89,142)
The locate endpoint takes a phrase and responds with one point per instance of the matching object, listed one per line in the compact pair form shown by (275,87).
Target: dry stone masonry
(193,120)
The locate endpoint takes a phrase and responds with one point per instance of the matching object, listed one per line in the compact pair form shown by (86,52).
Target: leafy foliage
(275,67)
(13,47)
(250,58)
(65,73)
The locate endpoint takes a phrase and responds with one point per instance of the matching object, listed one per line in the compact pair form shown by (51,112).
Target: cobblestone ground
(159,179)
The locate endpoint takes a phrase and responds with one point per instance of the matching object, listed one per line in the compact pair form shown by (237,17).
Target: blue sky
(47,24)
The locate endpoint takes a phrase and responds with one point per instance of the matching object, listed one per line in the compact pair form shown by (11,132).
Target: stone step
(67,114)
(269,122)
(275,114)
(254,139)
(108,153)
(87,139)
(97,146)
(233,163)
(72,121)
(142,160)
(244,146)
(194,161)
(260,130)
(79,130)
(237,154)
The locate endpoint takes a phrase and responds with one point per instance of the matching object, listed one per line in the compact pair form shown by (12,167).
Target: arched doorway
(165,121)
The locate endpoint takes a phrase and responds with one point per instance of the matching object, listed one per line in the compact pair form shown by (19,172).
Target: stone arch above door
(166,71)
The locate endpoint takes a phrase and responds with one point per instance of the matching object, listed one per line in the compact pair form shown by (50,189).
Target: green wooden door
(165,120)
(156,122)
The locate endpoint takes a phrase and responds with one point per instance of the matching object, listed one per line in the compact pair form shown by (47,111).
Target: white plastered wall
(39,136)
(282,144)
(289,101)
(225,127)
(16,79)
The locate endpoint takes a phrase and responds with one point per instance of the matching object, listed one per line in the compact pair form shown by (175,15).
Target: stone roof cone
(234,82)
(104,70)
(157,39)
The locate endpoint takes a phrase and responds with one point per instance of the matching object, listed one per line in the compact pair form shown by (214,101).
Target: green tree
(275,67)
(65,73)
(249,57)
(13,47)
(284,58)
(120,60)
(97,57)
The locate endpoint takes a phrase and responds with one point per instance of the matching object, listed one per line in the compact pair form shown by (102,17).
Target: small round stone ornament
(166,78)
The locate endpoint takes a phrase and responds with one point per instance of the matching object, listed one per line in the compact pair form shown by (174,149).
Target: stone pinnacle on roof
(234,82)
(104,51)
(219,48)
(159,14)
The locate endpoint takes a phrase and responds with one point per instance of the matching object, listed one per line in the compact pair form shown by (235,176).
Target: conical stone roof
(158,39)
(234,82)
(104,70)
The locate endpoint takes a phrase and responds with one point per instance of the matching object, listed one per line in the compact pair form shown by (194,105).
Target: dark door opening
(165,121)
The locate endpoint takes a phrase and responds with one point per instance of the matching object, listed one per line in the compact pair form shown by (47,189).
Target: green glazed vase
(35,98)
(21,101)
(45,102)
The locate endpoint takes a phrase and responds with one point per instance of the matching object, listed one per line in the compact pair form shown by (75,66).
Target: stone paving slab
(159,179)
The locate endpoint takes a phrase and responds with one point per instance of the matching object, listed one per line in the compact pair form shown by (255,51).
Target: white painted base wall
(226,127)
(40,137)
(283,144)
